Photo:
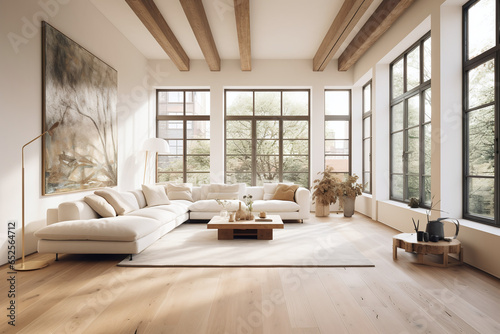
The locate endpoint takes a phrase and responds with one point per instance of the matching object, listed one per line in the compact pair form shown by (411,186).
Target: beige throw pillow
(178,192)
(222,196)
(155,194)
(116,200)
(100,205)
(285,192)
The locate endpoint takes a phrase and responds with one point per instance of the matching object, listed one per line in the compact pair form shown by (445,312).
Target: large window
(367,138)
(481,110)
(183,119)
(411,123)
(267,136)
(338,131)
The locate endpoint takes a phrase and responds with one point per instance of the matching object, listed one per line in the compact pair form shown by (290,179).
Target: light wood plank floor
(90,294)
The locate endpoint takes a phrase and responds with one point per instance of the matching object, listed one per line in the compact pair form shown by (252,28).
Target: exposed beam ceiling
(151,17)
(381,20)
(195,13)
(242,13)
(349,15)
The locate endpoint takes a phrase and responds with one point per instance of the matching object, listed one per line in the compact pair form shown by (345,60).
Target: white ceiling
(280,29)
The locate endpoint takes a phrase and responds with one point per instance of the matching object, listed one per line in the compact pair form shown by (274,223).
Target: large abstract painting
(79,92)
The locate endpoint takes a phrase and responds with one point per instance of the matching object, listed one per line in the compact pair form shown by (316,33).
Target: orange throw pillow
(285,192)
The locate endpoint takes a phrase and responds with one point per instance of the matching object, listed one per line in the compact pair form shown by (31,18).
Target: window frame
(254,119)
(365,115)
(467,65)
(344,118)
(184,119)
(403,98)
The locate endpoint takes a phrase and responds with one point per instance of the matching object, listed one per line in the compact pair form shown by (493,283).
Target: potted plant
(330,188)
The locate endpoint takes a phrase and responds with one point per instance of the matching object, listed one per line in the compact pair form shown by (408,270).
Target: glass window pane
(427,106)
(295,129)
(170,177)
(292,147)
(268,147)
(232,178)
(340,164)
(427,149)
(198,163)
(413,69)
(397,117)
(427,191)
(267,177)
(397,187)
(397,79)
(268,130)
(198,147)
(295,164)
(413,151)
(427,59)
(481,197)
(367,187)
(366,155)
(198,129)
(337,102)
(413,111)
(239,103)
(171,103)
(337,147)
(268,164)
(297,178)
(168,163)
(337,129)
(482,84)
(238,129)
(171,129)
(238,164)
(198,178)
(481,27)
(197,103)
(397,152)
(413,187)
(239,147)
(367,98)
(367,127)
(481,141)
(296,103)
(268,103)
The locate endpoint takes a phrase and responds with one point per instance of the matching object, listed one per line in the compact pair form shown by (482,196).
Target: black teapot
(436,227)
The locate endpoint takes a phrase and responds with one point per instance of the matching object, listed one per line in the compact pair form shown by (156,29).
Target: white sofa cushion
(160,215)
(275,206)
(155,194)
(116,199)
(210,205)
(179,192)
(100,205)
(122,228)
(218,188)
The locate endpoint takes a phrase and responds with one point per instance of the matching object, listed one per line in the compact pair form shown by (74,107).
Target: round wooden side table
(408,242)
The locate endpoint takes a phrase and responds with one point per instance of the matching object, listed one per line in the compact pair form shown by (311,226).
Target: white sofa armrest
(52,216)
(302,197)
(75,210)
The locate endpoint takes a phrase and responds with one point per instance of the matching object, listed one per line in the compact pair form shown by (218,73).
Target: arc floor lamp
(155,145)
(30,265)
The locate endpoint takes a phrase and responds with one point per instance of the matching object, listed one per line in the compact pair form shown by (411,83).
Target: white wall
(21,102)
(443,18)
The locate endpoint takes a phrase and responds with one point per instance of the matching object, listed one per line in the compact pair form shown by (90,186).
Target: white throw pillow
(269,190)
(178,192)
(155,194)
(100,205)
(116,200)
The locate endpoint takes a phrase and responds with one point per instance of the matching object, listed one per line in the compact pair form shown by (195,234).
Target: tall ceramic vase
(349,206)
(322,210)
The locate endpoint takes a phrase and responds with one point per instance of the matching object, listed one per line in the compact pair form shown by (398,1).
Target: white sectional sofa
(75,228)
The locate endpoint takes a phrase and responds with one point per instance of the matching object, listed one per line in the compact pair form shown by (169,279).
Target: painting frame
(80,93)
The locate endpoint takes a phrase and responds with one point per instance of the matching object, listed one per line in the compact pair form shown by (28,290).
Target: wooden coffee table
(408,242)
(250,229)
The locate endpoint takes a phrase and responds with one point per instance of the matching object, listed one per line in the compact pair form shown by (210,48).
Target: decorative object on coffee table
(408,242)
(249,202)
(248,229)
(240,214)
(223,203)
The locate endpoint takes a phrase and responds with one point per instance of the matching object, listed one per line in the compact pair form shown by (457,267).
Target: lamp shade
(158,145)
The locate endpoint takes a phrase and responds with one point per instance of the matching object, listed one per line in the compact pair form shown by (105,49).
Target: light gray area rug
(297,245)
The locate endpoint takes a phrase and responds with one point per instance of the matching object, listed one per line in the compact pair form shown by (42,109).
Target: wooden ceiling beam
(195,13)
(348,16)
(242,14)
(151,17)
(381,20)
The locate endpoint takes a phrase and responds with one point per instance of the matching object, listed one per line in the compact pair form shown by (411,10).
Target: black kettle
(436,227)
